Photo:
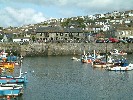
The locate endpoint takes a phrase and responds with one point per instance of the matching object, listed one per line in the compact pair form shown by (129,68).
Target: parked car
(130,40)
(114,40)
(100,41)
(122,41)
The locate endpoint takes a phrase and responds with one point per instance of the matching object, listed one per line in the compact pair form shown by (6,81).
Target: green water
(60,78)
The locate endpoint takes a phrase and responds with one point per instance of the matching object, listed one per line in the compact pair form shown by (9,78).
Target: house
(5,38)
(58,33)
(23,39)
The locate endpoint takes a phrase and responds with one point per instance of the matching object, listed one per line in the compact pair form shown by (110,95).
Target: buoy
(126,68)
(8,97)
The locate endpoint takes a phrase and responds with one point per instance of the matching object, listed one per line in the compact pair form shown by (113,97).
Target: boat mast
(106,51)
(20,71)
(94,54)
(84,50)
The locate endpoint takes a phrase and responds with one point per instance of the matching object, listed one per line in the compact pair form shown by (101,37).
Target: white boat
(86,59)
(101,65)
(75,59)
(98,63)
(117,52)
(11,85)
(121,68)
(122,65)
(10,90)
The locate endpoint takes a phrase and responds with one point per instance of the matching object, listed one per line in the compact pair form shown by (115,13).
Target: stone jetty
(50,49)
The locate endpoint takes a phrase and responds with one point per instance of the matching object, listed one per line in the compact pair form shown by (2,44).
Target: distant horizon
(18,13)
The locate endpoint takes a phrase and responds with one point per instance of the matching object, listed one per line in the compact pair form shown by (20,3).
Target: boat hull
(11,91)
(120,68)
(99,64)
(86,61)
(122,54)
(10,79)
(7,65)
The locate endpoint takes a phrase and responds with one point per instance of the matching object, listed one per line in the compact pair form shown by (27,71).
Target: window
(61,34)
(40,34)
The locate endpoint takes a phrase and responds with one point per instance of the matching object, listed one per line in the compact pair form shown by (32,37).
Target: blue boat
(11,79)
(22,78)
(11,90)
(12,58)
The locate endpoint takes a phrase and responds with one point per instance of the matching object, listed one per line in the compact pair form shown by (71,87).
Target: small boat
(22,78)
(9,65)
(11,85)
(11,90)
(123,65)
(86,59)
(75,59)
(100,63)
(120,68)
(117,52)
(11,79)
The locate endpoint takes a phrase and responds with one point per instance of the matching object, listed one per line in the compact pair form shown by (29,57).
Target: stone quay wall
(50,49)
(46,49)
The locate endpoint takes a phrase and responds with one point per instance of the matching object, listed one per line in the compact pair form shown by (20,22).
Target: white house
(21,40)
(106,27)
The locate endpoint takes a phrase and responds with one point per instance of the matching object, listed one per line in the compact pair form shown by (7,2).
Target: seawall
(46,49)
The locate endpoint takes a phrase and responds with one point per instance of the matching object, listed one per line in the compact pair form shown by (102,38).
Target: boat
(11,90)
(11,79)
(9,65)
(11,85)
(123,65)
(75,59)
(103,62)
(99,63)
(117,52)
(8,61)
(22,78)
(86,59)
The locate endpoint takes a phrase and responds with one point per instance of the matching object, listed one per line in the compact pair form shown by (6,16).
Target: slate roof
(58,29)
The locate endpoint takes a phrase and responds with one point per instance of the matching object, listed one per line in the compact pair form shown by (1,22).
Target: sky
(24,12)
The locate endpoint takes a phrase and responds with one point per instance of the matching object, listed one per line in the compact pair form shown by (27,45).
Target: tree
(33,38)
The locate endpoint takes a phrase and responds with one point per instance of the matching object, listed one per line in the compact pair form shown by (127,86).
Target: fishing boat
(99,63)
(75,59)
(123,65)
(9,65)
(8,61)
(86,59)
(11,79)
(11,90)
(11,85)
(22,78)
(117,52)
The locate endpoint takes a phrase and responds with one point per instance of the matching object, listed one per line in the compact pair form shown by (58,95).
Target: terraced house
(59,34)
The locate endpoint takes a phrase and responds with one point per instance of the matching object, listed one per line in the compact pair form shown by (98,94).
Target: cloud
(19,17)
(17,12)
(78,3)
(85,6)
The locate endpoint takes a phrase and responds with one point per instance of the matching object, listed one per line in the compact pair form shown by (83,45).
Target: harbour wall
(46,49)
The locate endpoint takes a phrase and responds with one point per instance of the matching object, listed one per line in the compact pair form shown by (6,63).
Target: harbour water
(60,78)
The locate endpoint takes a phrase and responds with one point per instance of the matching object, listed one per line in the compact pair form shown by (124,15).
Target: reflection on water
(60,78)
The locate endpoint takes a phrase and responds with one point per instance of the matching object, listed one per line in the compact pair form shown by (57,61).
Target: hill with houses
(81,28)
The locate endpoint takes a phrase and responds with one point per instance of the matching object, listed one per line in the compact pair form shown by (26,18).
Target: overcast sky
(23,12)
